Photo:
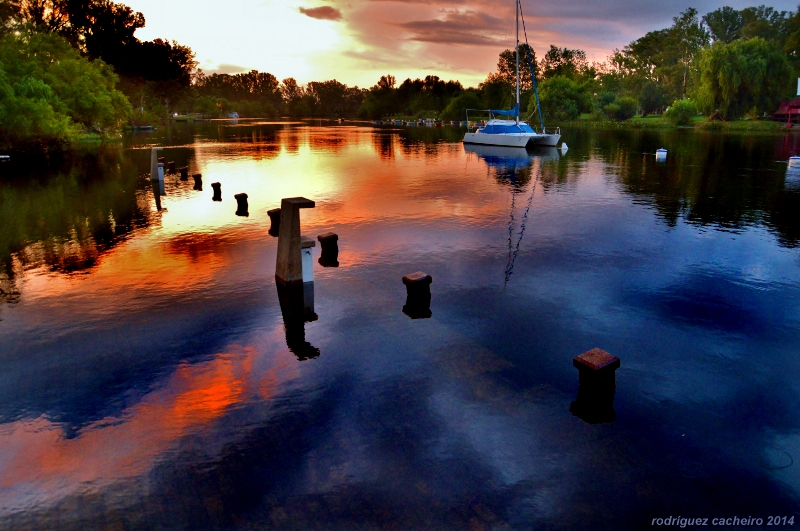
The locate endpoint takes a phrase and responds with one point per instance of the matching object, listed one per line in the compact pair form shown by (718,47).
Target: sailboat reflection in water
(517,166)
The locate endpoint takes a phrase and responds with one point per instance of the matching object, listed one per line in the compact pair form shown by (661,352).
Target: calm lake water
(147,382)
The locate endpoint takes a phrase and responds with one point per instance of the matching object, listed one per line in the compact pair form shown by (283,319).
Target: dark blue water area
(157,383)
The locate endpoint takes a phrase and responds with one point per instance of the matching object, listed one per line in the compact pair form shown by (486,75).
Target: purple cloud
(322,13)
(456,27)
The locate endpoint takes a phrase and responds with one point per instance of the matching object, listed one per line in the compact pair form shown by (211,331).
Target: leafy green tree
(381,100)
(497,92)
(102,29)
(724,24)
(250,86)
(742,76)
(426,96)
(621,109)
(764,22)
(507,66)
(791,45)
(652,98)
(681,112)
(158,60)
(604,98)
(50,93)
(562,99)
(27,114)
(664,57)
(205,106)
(333,98)
(291,94)
(687,38)
(563,62)
(255,109)
(457,108)
(727,24)
(304,107)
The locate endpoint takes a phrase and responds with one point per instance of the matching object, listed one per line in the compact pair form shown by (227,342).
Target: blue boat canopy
(503,129)
(509,112)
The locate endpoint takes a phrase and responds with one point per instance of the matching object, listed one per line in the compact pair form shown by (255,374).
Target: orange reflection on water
(38,463)
(145,265)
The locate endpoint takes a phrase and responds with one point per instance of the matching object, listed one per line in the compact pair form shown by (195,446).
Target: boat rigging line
(530,62)
(513,257)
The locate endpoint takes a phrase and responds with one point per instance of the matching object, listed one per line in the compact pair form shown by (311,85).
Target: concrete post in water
(289,266)
(418,295)
(330,249)
(596,386)
(184,171)
(154,160)
(171,166)
(241,205)
(217,187)
(306,244)
(198,182)
(275,221)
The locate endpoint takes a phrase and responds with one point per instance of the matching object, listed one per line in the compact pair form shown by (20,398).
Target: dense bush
(621,109)
(681,112)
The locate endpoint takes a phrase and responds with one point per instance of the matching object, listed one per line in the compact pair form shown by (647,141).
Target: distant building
(787,109)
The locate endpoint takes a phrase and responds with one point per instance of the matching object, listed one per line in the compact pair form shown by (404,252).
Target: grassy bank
(659,122)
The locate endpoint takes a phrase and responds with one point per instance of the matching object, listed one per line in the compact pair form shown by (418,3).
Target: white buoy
(564,148)
(661,155)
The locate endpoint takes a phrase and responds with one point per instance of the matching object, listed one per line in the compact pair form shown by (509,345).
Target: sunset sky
(357,41)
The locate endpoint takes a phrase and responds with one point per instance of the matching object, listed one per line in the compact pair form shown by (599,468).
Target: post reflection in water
(687,270)
(158,191)
(297,309)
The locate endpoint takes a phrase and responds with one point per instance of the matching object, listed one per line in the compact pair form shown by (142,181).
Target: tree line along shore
(75,71)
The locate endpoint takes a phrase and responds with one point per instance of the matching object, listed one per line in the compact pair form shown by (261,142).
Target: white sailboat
(511,133)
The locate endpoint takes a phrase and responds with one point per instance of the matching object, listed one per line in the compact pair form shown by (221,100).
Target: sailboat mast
(516,52)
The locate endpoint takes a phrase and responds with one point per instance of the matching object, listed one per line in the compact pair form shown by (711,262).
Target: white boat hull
(547,140)
(511,140)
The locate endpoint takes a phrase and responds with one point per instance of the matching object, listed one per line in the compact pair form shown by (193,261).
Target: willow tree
(741,77)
